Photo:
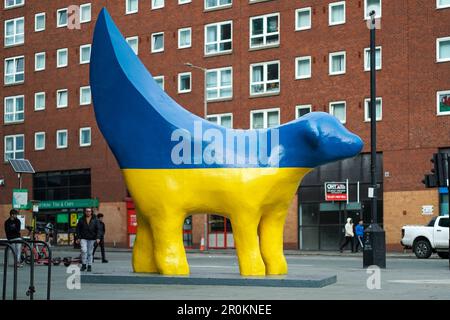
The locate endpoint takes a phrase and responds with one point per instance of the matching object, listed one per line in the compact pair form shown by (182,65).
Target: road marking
(430,281)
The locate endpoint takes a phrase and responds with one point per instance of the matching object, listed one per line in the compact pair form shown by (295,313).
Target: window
(184,1)
(133,42)
(61,16)
(379,110)
(265,30)
(378,58)
(14,147)
(218,38)
(303,19)
(370,5)
(85,53)
(39,61)
(157,4)
(441,4)
(131,6)
(303,68)
(265,78)
(39,141)
(184,82)
(212,4)
(14,109)
(61,139)
(85,137)
(39,22)
(443,103)
(85,13)
(263,119)
(184,38)
(85,96)
(224,120)
(337,63)
(302,110)
(338,109)
(219,83)
(336,11)
(13,3)
(14,70)
(62,59)
(443,49)
(160,81)
(14,32)
(444,222)
(62,185)
(62,98)
(39,101)
(157,42)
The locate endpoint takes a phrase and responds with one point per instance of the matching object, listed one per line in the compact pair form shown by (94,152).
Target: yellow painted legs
(143,259)
(271,243)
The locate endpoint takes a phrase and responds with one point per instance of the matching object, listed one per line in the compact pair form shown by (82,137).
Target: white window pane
(444,49)
(258,120)
(273,119)
(85,96)
(39,22)
(304,68)
(442,3)
(337,14)
(86,13)
(338,110)
(225,121)
(85,54)
(39,102)
(303,19)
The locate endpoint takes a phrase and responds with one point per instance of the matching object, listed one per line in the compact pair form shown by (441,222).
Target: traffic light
(430,181)
(438,176)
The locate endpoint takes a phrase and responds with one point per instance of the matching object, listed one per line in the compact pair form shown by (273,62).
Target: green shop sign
(66,204)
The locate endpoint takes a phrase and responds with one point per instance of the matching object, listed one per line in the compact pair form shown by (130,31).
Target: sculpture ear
(312,136)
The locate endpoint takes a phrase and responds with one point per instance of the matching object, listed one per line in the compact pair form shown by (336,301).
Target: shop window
(62,185)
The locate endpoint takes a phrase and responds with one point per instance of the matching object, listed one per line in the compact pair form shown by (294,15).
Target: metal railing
(5,269)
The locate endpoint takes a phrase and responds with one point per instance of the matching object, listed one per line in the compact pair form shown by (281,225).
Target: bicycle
(39,251)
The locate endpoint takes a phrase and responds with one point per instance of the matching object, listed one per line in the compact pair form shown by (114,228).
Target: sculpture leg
(245,233)
(143,259)
(169,252)
(271,242)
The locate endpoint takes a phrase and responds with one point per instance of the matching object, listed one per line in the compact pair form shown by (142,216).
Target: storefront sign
(67,204)
(20,198)
(335,191)
(73,219)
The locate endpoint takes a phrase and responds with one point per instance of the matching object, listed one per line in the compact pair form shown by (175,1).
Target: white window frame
(15,112)
(15,43)
(157,7)
(36,16)
(57,18)
(438,41)
(127,9)
(20,4)
(153,50)
(57,100)
(159,78)
(297,28)
(15,150)
(15,70)
(377,14)
(35,99)
(219,41)
(334,54)
(219,87)
(265,113)
(309,58)
(190,38)
(58,146)
(81,51)
(265,82)
(190,82)
(180,2)
(330,7)
(81,137)
(442,6)
(219,6)
(438,112)
(81,96)
(331,108)
(302,106)
(90,12)
(36,55)
(264,34)
(367,111)
(367,63)
(58,62)
(219,117)
(128,39)
(36,148)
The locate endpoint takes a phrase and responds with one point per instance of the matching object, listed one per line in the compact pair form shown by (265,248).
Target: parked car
(424,240)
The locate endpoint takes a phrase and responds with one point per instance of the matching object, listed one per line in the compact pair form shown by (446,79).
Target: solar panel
(21,165)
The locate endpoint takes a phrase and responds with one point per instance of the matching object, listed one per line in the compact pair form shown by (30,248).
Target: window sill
(443,7)
(263,95)
(159,51)
(303,78)
(257,1)
(228,6)
(303,29)
(220,100)
(14,84)
(63,26)
(181,48)
(39,30)
(442,61)
(183,92)
(14,45)
(37,110)
(218,54)
(337,74)
(368,120)
(14,7)
(65,107)
(85,146)
(336,24)
(61,148)
(13,123)
(131,12)
(39,149)
(443,114)
(265,47)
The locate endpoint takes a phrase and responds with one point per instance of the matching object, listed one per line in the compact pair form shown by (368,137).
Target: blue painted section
(443,190)
(137,118)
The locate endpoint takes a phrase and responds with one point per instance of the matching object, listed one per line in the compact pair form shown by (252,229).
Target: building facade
(259,63)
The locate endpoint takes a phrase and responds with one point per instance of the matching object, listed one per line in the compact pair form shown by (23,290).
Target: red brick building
(266,62)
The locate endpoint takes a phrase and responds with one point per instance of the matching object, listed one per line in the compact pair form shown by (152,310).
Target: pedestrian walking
(349,235)
(88,233)
(359,230)
(12,230)
(101,226)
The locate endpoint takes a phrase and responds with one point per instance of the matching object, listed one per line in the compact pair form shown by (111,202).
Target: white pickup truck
(424,240)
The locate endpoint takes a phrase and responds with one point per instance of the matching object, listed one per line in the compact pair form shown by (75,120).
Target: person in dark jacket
(102,228)
(88,233)
(12,230)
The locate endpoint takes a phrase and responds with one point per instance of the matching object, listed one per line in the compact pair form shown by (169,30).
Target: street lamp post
(205,115)
(374,236)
